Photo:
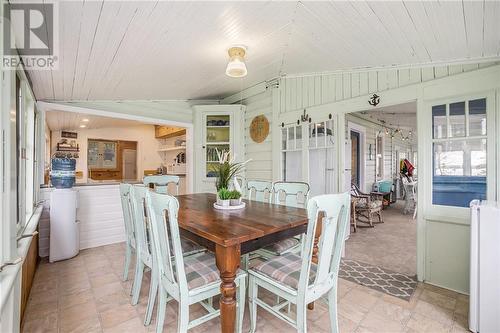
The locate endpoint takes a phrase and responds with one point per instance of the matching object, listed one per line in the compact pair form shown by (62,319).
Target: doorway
(355,157)
(378,140)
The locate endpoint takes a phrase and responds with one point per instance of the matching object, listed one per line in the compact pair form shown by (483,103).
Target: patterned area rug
(381,279)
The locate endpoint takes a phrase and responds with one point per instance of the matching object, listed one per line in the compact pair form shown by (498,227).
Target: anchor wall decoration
(304,117)
(374,100)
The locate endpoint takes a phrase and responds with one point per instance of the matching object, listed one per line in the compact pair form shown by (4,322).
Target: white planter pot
(235,202)
(224,203)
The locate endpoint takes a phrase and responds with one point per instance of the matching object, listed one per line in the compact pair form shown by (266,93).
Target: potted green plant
(226,169)
(223,197)
(235,198)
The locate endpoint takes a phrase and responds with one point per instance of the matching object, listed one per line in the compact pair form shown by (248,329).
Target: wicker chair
(367,205)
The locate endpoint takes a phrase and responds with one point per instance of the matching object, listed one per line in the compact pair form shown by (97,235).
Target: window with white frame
(26,133)
(321,157)
(459,149)
(291,156)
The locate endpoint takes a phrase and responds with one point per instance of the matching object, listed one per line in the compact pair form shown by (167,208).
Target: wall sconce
(370,154)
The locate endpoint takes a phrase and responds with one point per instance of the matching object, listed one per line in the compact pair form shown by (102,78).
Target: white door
(347,164)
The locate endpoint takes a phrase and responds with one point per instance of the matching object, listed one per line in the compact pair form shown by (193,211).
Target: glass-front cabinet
(218,129)
(217,140)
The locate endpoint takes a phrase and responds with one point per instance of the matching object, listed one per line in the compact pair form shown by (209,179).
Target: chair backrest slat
(259,190)
(335,212)
(293,194)
(162,211)
(125,198)
(161,183)
(138,197)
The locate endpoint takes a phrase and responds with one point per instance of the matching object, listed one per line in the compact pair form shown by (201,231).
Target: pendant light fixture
(236,66)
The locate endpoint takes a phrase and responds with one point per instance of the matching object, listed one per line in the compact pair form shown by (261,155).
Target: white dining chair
(188,280)
(294,278)
(144,258)
(129,228)
(292,194)
(259,190)
(161,182)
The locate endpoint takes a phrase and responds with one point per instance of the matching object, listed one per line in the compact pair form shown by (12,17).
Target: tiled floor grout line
(360,308)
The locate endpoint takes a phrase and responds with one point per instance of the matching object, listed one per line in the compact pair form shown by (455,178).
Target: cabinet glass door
(217,139)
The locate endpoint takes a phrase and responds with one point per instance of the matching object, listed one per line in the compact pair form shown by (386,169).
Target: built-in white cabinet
(217,128)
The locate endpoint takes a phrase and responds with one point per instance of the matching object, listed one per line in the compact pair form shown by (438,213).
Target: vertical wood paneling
(372,82)
(317,90)
(346,85)
(260,166)
(470,67)
(311,91)
(441,71)
(332,93)
(415,75)
(363,83)
(302,92)
(326,89)
(339,90)
(427,74)
(454,69)
(354,84)
(299,92)
(382,81)
(404,77)
(392,79)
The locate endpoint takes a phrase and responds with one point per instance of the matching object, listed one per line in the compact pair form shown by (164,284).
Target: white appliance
(484,303)
(64,228)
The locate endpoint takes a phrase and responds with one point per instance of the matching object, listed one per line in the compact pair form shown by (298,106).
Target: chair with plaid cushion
(293,277)
(292,194)
(144,258)
(129,227)
(160,183)
(259,190)
(188,280)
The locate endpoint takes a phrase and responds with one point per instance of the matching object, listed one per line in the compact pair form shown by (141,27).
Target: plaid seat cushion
(200,270)
(282,246)
(190,247)
(285,269)
(373,204)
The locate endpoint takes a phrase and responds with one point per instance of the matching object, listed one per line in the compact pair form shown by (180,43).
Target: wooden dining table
(232,233)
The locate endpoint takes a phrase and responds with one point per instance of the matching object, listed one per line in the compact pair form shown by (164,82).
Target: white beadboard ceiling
(115,50)
(70,121)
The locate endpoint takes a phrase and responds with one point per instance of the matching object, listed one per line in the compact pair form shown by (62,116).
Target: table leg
(228,262)
(314,259)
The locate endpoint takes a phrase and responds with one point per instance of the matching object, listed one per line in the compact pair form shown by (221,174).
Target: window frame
(26,167)
(435,210)
(283,151)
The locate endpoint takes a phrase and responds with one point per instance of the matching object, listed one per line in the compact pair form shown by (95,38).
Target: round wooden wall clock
(259,128)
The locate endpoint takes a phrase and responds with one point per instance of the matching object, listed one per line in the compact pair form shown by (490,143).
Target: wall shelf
(172,148)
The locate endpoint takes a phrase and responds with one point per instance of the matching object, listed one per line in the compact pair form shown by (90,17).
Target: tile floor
(86,294)
(391,245)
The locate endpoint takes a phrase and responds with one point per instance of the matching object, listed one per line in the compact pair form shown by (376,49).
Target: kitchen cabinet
(217,128)
(164,132)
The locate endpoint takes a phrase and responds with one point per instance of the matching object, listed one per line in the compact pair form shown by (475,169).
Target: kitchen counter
(98,183)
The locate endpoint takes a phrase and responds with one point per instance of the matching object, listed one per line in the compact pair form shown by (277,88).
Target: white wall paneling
(99,212)
(342,86)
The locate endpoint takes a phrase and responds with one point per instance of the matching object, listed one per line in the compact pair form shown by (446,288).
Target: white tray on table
(240,206)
